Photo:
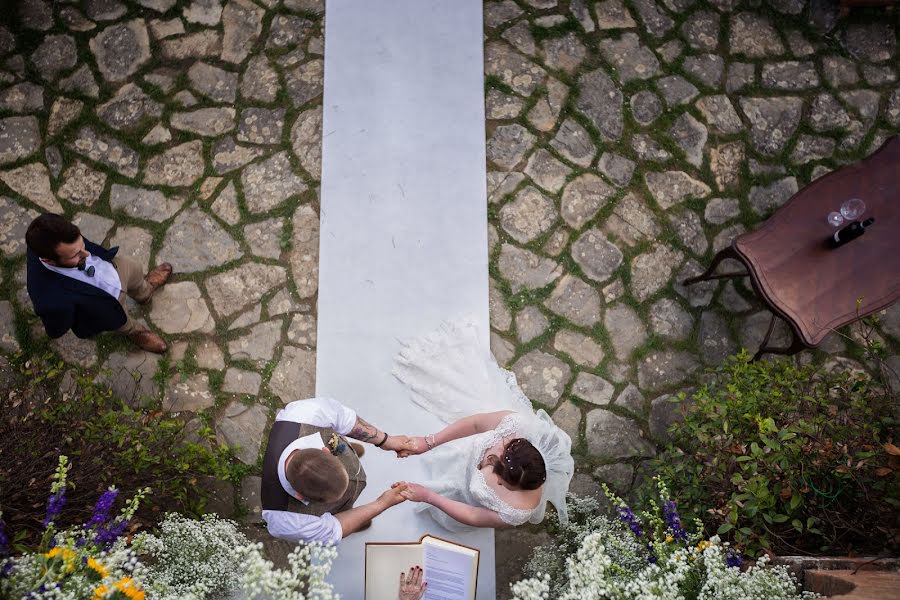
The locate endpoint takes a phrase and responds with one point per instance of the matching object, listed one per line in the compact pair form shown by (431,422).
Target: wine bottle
(849,233)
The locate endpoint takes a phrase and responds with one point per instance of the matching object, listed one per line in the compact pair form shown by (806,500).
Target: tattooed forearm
(363,431)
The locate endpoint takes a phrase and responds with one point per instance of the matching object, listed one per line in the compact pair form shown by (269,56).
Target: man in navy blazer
(76,284)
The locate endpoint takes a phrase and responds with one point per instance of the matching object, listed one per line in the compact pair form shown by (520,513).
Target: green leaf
(724,528)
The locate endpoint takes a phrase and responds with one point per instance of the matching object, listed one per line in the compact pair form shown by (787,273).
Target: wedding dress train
(451,375)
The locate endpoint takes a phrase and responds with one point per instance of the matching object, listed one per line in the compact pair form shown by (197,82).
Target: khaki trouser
(131,275)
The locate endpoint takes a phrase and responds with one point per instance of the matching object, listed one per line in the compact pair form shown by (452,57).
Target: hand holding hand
(417,445)
(411,585)
(403,445)
(393,496)
(413,491)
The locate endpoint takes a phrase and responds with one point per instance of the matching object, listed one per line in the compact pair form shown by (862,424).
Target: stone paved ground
(628,140)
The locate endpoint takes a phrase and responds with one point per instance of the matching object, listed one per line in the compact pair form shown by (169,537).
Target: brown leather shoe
(358,448)
(148,341)
(157,278)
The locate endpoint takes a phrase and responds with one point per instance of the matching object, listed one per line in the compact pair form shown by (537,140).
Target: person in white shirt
(312,474)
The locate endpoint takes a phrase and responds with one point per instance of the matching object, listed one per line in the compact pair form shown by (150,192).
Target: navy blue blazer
(64,303)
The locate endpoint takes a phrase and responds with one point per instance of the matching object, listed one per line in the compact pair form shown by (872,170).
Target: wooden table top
(816,288)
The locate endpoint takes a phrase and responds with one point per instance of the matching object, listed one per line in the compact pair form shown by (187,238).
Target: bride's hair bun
(521,465)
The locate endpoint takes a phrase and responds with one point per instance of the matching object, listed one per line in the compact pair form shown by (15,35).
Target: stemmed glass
(851,210)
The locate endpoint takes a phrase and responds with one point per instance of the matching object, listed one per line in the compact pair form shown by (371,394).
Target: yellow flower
(100,569)
(702,545)
(669,538)
(67,556)
(127,586)
(101,591)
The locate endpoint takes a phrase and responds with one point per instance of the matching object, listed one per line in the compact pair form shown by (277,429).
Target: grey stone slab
(203,12)
(305,82)
(651,271)
(583,198)
(259,80)
(77,351)
(294,378)
(719,112)
(753,330)
(631,60)
(261,125)
(580,348)
(62,112)
(304,255)
(82,82)
(765,198)
(180,308)
(648,149)
(689,229)
(600,100)
(714,339)
(529,215)
(498,105)
(8,340)
(721,210)
(542,377)
(131,377)
(790,75)
(773,121)
(269,183)
(754,36)
(810,148)
(701,30)
(625,329)
(215,83)
(574,143)
(676,90)
(616,168)
(129,109)
(740,75)
(195,242)
(22,98)
(20,137)
(632,221)
(655,20)
(530,324)
(106,150)
(669,320)
(141,203)
(565,53)
(547,171)
(617,476)
(302,330)
(596,255)
(524,269)
(664,369)
(179,166)
(121,49)
(645,107)
(243,426)
(237,288)
(513,69)
(690,135)
(575,300)
(610,436)
(500,316)
(207,122)
(288,31)
(258,344)
(82,184)
(242,25)
(33,182)
(55,54)
(226,155)
(672,187)
(191,394)
(497,13)
(206,43)
(708,69)
(698,294)
(874,41)
(613,14)
(508,145)
(593,389)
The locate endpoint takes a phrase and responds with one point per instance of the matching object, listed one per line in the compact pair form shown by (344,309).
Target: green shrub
(790,458)
(110,442)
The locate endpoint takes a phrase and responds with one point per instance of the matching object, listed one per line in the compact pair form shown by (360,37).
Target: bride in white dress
(498,462)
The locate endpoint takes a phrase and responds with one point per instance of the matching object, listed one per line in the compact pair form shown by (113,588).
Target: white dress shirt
(295,527)
(105,277)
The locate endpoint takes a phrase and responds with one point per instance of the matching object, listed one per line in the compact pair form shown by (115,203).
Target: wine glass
(835,219)
(853,208)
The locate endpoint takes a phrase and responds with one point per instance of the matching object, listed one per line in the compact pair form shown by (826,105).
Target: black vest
(273,496)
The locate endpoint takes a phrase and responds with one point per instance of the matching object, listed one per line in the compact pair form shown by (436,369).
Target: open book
(450,569)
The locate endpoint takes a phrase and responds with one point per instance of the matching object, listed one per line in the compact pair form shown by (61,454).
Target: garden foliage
(646,556)
(796,459)
(109,441)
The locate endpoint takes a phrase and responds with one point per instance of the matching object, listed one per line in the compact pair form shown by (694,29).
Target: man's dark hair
(48,231)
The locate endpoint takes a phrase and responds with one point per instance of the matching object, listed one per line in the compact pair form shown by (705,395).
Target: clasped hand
(405,445)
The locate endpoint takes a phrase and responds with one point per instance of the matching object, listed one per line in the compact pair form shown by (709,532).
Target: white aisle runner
(404,234)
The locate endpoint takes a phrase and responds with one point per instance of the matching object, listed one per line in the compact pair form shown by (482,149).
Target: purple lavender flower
(673,520)
(4,540)
(733,558)
(54,506)
(106,536)
(631,520)
(101,510)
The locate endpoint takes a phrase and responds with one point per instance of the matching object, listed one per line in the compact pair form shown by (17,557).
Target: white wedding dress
(452,376)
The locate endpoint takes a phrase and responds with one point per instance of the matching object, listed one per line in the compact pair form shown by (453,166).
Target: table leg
(728,252)
(796,343)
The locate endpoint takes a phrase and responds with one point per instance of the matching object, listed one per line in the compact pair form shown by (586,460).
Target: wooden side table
(814,288)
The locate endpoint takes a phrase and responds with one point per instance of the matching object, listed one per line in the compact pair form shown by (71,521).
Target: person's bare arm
(465,427)
(474,516)
(366,432)
(354,519)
